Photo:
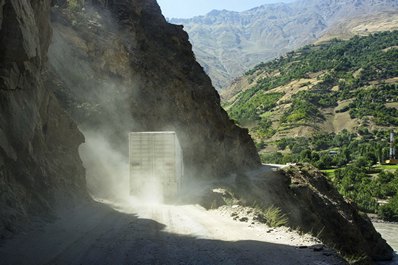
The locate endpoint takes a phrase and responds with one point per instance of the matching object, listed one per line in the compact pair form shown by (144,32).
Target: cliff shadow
(98,234)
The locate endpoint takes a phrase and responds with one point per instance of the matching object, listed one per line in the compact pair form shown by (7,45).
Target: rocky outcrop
(324,211)
(117,67)
(120,67)
(39,163)
(309,203)
(314,206)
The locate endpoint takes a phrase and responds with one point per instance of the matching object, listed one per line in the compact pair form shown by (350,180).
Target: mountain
(77,76)
(327,88)
(229,43)
(40,166)
(124,86)
(361,25)
(91,75)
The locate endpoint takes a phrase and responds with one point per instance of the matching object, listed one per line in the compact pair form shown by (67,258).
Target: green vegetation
(351,162)
(330,150)
(357,70)
(368,53)
(389,211)
(275,217)
(75,5)
(371,102)
(252,106)
(272,216)
(355,79)
(387,167)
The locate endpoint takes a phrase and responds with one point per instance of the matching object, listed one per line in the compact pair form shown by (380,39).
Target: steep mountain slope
(39,164)
(362,25)
(116,66)
(139,74)
(229,43)
(118,84)
(320,88)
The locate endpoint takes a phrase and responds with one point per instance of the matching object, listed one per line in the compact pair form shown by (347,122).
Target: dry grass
(362,25)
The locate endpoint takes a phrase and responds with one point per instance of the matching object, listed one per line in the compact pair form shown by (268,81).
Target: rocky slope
(362,25)
(142,76)
(324,211)
(308,202)
(39,163)
(120,67)
(267,32)
(115,66)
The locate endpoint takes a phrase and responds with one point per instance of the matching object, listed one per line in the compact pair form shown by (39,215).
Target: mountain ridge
(265,32)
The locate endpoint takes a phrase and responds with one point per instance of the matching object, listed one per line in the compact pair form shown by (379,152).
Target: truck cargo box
(156,165)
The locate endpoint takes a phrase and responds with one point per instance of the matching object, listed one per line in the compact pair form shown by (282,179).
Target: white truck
(156,165)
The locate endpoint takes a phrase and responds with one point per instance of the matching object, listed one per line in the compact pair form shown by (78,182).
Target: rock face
(307,202)
(323,210)
(117,67)
(314,205)
(120,67)
(267,32)
(39,163)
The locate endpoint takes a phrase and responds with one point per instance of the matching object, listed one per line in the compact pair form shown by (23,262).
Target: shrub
(389,211)
(74,5)
(272,216)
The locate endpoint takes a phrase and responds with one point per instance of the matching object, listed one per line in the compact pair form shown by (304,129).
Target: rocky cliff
(39,163)
(310,203)
(115,67)
(120,67)
(314,205)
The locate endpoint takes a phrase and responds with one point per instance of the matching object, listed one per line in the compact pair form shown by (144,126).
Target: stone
(244,219)
(151,81)
(40,165)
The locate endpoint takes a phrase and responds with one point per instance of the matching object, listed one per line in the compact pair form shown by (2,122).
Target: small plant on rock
(74,5)
(272,216)
(275,217)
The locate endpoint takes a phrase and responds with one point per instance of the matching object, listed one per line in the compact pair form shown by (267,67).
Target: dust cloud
(98,100)
(99,90)
(107,172)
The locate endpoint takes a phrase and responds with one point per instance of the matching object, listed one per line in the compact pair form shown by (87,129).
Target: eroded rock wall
(39,163)
(314,206)
(138,73)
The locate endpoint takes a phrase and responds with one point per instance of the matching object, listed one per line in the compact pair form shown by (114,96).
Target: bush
(275,217)
(272,158)
(389,211)
(74,5)
(272,216)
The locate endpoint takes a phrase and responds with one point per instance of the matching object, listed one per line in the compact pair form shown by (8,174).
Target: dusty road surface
(137,233)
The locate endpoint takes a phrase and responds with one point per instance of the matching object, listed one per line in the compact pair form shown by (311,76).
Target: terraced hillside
(331,87)
(332,105)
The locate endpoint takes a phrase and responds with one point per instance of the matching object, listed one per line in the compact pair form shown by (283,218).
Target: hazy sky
(191,8)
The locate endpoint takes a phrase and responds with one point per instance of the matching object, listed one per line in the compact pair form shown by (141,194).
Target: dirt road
(138,233)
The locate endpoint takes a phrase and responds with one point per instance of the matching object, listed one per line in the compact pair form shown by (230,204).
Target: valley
(271,30)
(331,105)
